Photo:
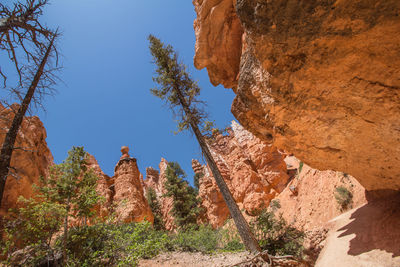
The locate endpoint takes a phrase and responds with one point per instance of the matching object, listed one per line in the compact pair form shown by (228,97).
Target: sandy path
(187,259)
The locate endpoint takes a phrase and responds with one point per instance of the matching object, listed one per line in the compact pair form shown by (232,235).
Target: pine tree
(181,93)
(155,207)
(185,203)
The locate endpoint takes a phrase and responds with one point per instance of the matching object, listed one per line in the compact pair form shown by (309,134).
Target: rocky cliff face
(254,171)
(129,201)
(309,202)
(156,180)
(317,78)
(104,188)
(30,161)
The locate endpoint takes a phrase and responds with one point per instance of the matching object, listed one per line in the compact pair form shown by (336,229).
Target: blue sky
(104,101)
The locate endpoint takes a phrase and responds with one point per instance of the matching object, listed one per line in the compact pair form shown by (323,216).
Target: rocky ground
(226,259)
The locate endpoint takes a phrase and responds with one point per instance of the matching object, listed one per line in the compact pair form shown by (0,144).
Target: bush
(276,236)
(275,205)
(113,245)
(204,239)
(343,197)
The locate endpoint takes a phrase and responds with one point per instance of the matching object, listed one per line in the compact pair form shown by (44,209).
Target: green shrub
(234,245)
(276,236)
(275,205)
(204,239)
(343,197)
(114,245)
(229,239)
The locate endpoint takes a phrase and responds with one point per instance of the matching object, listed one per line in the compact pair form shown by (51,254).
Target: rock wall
(317,78)
(104,188)
(30,161)
(254,171)
(156,180)
(309,202)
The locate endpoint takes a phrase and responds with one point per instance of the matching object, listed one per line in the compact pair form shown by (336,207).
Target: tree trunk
(65,240)
(245,233)
(11,136)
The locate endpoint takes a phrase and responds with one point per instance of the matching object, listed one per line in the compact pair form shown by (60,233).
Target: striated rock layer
(129,201)
(156,179)
(30,161)
(318,78)
(254,171)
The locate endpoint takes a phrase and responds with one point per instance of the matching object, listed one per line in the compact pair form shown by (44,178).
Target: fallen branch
(273,260)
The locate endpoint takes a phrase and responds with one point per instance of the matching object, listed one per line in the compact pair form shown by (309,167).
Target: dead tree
(31,48)
(22,35)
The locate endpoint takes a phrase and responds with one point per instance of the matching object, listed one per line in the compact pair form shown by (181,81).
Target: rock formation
(129,201)
(156,180)
(309,201)
(254,171)
(317,78)
(104,188)
(30,161)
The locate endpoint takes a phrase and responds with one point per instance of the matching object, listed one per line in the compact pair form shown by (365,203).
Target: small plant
(301,164)
(275,205)
(230,239)
(343,197)
(276,236)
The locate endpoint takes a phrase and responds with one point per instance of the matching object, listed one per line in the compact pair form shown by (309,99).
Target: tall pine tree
(181,93)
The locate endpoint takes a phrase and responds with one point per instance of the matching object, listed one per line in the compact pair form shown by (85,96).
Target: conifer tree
(185,203)
(155,207)
(181,93)
(72,185)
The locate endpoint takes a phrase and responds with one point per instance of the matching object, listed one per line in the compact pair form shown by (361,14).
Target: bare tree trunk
(11,136)
(246,235)
(65,239)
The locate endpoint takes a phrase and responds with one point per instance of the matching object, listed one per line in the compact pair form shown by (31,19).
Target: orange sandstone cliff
(30,161)
(320,79)
(156,180)
(254,171)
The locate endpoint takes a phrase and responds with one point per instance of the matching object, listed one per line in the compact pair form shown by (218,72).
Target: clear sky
(104,101)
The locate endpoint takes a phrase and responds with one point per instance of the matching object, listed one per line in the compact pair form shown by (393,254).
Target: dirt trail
(187,259)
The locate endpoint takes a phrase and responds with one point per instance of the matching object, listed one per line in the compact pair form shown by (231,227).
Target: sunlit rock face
(129,201)
(309,202)
(254,171)
(104,187)
(156,180)
(320,79)
(30,161)
(218,40)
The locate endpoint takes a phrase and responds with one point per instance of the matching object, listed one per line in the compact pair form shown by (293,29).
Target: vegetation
(155,207)
(185,203)
(33,225)
(343,197)
(69,191)
(181,93)
(196,180)
(276,236)
(275,205)
(114,244)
